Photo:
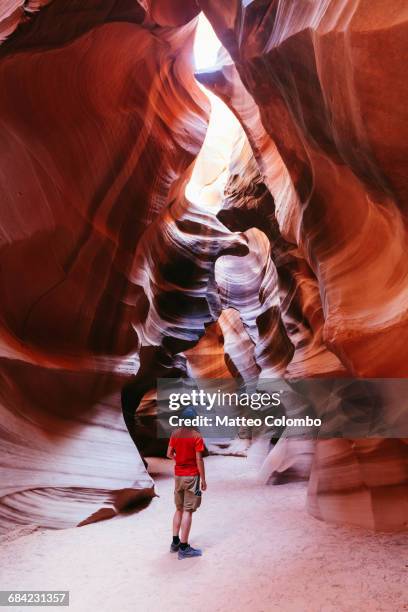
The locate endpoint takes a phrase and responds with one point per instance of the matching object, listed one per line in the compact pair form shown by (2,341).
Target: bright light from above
(206,44)
(211,170)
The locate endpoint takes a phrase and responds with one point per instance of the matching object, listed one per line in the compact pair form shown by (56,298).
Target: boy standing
(186,447)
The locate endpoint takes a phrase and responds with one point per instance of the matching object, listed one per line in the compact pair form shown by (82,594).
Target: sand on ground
(262,552)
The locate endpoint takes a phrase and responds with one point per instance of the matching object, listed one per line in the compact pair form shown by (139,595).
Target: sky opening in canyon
(224,133)
(206,44)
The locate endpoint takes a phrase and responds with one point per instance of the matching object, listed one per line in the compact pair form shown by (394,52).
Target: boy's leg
(192,501)
(177,522)
(179,501)
(185,550)
(174,546)
(185,526)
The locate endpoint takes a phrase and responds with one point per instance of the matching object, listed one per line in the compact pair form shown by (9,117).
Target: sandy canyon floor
(262,552)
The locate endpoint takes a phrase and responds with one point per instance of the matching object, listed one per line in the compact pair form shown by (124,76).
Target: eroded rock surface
(314,72)
(317,77)
(101,118)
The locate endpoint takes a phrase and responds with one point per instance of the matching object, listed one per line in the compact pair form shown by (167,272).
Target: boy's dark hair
(188,413)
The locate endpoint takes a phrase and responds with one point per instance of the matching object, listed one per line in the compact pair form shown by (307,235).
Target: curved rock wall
(314,71)
(326,134)
(101,121)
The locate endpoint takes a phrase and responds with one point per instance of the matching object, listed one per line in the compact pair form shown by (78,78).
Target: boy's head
(187,413)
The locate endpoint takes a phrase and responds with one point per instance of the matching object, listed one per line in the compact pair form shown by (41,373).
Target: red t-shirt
(186,449)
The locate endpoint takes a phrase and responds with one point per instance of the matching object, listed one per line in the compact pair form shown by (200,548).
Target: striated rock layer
(320,93)
(101,118)
(313,70)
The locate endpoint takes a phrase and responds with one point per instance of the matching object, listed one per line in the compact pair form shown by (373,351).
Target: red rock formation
(363,482)
(172,13)
(100,118)
(313,70)
(14,12)
(320,76)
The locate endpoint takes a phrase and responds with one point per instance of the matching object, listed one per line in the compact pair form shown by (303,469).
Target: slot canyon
(240,215)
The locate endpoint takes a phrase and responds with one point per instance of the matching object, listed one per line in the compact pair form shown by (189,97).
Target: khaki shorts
(187,494)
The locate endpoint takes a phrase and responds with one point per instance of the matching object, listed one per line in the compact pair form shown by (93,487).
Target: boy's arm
(201,469)
(170,452)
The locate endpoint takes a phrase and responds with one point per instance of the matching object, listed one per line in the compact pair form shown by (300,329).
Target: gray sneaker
(189,552)
(174,547)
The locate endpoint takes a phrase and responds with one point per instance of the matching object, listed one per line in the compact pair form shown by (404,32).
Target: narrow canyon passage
(204,190)
(288,562)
